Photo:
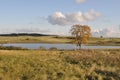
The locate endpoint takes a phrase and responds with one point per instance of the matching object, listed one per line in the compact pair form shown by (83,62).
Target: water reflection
(58,46)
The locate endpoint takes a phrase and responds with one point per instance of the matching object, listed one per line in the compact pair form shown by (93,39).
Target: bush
(12,48)
(53,48)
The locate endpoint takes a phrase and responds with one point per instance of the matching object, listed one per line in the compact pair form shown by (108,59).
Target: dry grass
(32,39)
(60,65)
(57,39)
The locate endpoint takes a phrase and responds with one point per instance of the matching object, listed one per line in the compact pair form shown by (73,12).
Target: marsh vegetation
(57,39)
(60,65)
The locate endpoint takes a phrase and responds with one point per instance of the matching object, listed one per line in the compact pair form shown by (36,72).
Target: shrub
(12,48)
(53,48)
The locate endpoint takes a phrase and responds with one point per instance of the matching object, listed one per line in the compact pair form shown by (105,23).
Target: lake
(58,46)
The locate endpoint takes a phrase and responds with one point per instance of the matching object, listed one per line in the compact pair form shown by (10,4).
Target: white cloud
(58,18)
(80,1)
(91,15)
(106,32)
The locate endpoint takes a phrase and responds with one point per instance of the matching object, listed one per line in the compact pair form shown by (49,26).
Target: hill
(25,34)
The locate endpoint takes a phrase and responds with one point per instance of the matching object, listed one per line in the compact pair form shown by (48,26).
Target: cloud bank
(80,1)
(106,32)
(32,30)
(58,18)
(38,30)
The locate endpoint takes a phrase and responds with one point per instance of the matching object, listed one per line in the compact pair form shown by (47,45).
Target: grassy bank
(33,39)
(105,41)
(60,65)
(57,39)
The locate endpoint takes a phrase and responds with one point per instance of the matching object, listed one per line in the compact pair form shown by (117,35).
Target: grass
(57,39)
(105,41)
(32,39)
(60,65)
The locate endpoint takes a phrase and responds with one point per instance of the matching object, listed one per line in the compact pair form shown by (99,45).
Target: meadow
(32,39)
(101,64)
(57,39)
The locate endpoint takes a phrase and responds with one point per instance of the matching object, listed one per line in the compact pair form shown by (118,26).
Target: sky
(57,16)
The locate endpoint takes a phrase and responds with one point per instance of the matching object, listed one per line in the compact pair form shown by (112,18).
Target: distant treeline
(25,34)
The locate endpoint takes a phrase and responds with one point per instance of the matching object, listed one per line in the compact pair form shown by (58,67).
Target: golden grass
(60,65)
(57,39)
(32,39)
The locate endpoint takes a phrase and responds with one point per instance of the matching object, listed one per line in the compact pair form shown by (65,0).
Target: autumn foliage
(81,34)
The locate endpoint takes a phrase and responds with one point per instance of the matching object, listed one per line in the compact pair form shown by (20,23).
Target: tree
(81,34)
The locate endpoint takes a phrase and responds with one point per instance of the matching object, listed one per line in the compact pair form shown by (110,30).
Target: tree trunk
(80,46)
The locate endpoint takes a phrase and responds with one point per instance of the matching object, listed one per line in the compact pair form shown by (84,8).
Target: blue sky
(57,16)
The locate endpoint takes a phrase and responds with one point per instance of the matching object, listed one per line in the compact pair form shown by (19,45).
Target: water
(58,46)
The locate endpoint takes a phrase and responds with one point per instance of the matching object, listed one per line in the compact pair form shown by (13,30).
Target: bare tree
(81,34)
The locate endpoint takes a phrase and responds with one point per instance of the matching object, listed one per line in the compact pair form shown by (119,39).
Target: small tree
(81,34)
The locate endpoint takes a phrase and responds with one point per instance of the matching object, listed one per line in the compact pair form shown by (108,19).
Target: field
(105,41)
(32,39)
(57,39)
(60,65)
